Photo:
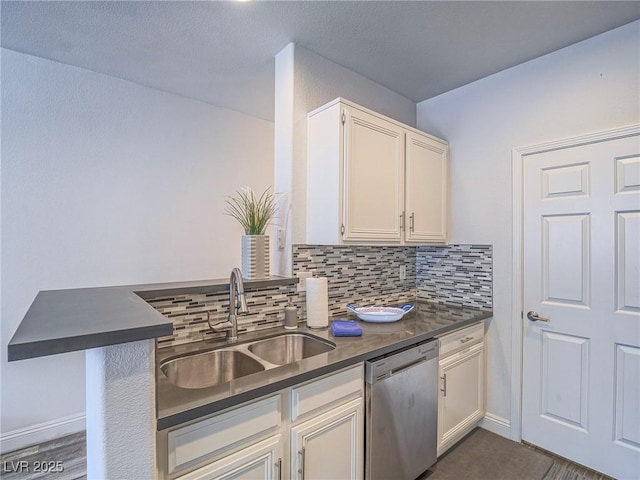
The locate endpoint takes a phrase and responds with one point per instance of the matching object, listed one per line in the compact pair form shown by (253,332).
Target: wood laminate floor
(70,454)
(60,459)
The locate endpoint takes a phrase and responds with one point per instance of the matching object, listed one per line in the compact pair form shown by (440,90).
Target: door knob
(534,317)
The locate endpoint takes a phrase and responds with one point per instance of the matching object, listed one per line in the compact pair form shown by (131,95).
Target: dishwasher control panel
(395,362)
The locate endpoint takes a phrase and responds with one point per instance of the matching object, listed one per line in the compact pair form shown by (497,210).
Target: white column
(121,421)
(283,155)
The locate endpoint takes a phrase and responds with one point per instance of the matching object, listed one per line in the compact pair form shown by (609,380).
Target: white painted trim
(596,137)
(518,155)
(495,424)
(516,301)
(42,432)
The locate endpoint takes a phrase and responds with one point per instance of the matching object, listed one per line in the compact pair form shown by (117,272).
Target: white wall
(590,86)
(304,82)
(105,182)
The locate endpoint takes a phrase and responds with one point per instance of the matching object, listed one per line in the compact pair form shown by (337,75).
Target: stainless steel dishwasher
(402,413)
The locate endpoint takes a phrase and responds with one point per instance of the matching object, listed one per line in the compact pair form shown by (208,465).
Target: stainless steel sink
(201,370)
(214,367)
(289,348)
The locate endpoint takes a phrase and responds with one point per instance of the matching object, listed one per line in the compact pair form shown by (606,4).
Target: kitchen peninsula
(118,328)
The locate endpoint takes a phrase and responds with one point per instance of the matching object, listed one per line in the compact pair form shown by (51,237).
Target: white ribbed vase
(255,256)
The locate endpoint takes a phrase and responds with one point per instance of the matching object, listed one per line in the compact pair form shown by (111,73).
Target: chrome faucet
(237,304)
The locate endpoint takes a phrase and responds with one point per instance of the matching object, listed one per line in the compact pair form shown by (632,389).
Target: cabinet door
(330,445)
(427,177)
(261,461)
(461,398)
(202,440)
(373,178)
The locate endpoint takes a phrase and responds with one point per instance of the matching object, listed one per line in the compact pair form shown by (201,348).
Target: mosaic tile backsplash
(456,275)
(189,312)
(362,275)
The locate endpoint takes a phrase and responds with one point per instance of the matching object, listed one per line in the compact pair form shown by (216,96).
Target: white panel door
(330,446)
(461,397)
(581,352)
(427,178)
(374,178)
(261,461)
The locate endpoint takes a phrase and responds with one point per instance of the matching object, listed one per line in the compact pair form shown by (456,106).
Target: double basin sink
(213,367)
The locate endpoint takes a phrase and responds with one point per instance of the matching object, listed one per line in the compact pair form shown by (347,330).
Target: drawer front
(461,339)
(207,438)
(318,394)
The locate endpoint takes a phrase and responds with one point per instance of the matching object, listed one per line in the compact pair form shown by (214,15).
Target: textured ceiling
(223,52)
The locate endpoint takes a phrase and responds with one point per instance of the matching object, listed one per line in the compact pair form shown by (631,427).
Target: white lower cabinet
(461,396)
(262,461)
(314,430)
(329,445)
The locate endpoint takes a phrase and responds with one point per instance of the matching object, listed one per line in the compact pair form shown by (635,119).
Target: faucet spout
(237,303)
(236,280)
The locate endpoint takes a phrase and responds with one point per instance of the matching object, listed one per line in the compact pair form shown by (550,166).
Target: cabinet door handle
(279,467)
(444,385)
(466,339)
(301,469)
(402,222)
(411,222)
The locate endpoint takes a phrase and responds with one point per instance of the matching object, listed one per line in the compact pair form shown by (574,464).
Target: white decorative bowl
(380,314)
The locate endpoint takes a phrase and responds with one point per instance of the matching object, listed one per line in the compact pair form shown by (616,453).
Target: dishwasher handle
(382,368)
(407,366)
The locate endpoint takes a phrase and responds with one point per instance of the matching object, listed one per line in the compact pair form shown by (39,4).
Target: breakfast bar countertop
(176,405)
(60,321)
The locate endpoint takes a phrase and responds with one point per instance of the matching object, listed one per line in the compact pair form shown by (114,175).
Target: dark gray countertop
(60,321)
(177,405)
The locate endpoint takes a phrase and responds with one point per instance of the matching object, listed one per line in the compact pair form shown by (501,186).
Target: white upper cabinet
(372,180)
(427,178)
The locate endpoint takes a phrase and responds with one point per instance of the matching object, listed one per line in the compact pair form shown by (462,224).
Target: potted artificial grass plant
(254,214)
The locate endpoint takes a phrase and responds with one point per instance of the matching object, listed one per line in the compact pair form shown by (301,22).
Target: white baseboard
(41,432)
(495,424)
